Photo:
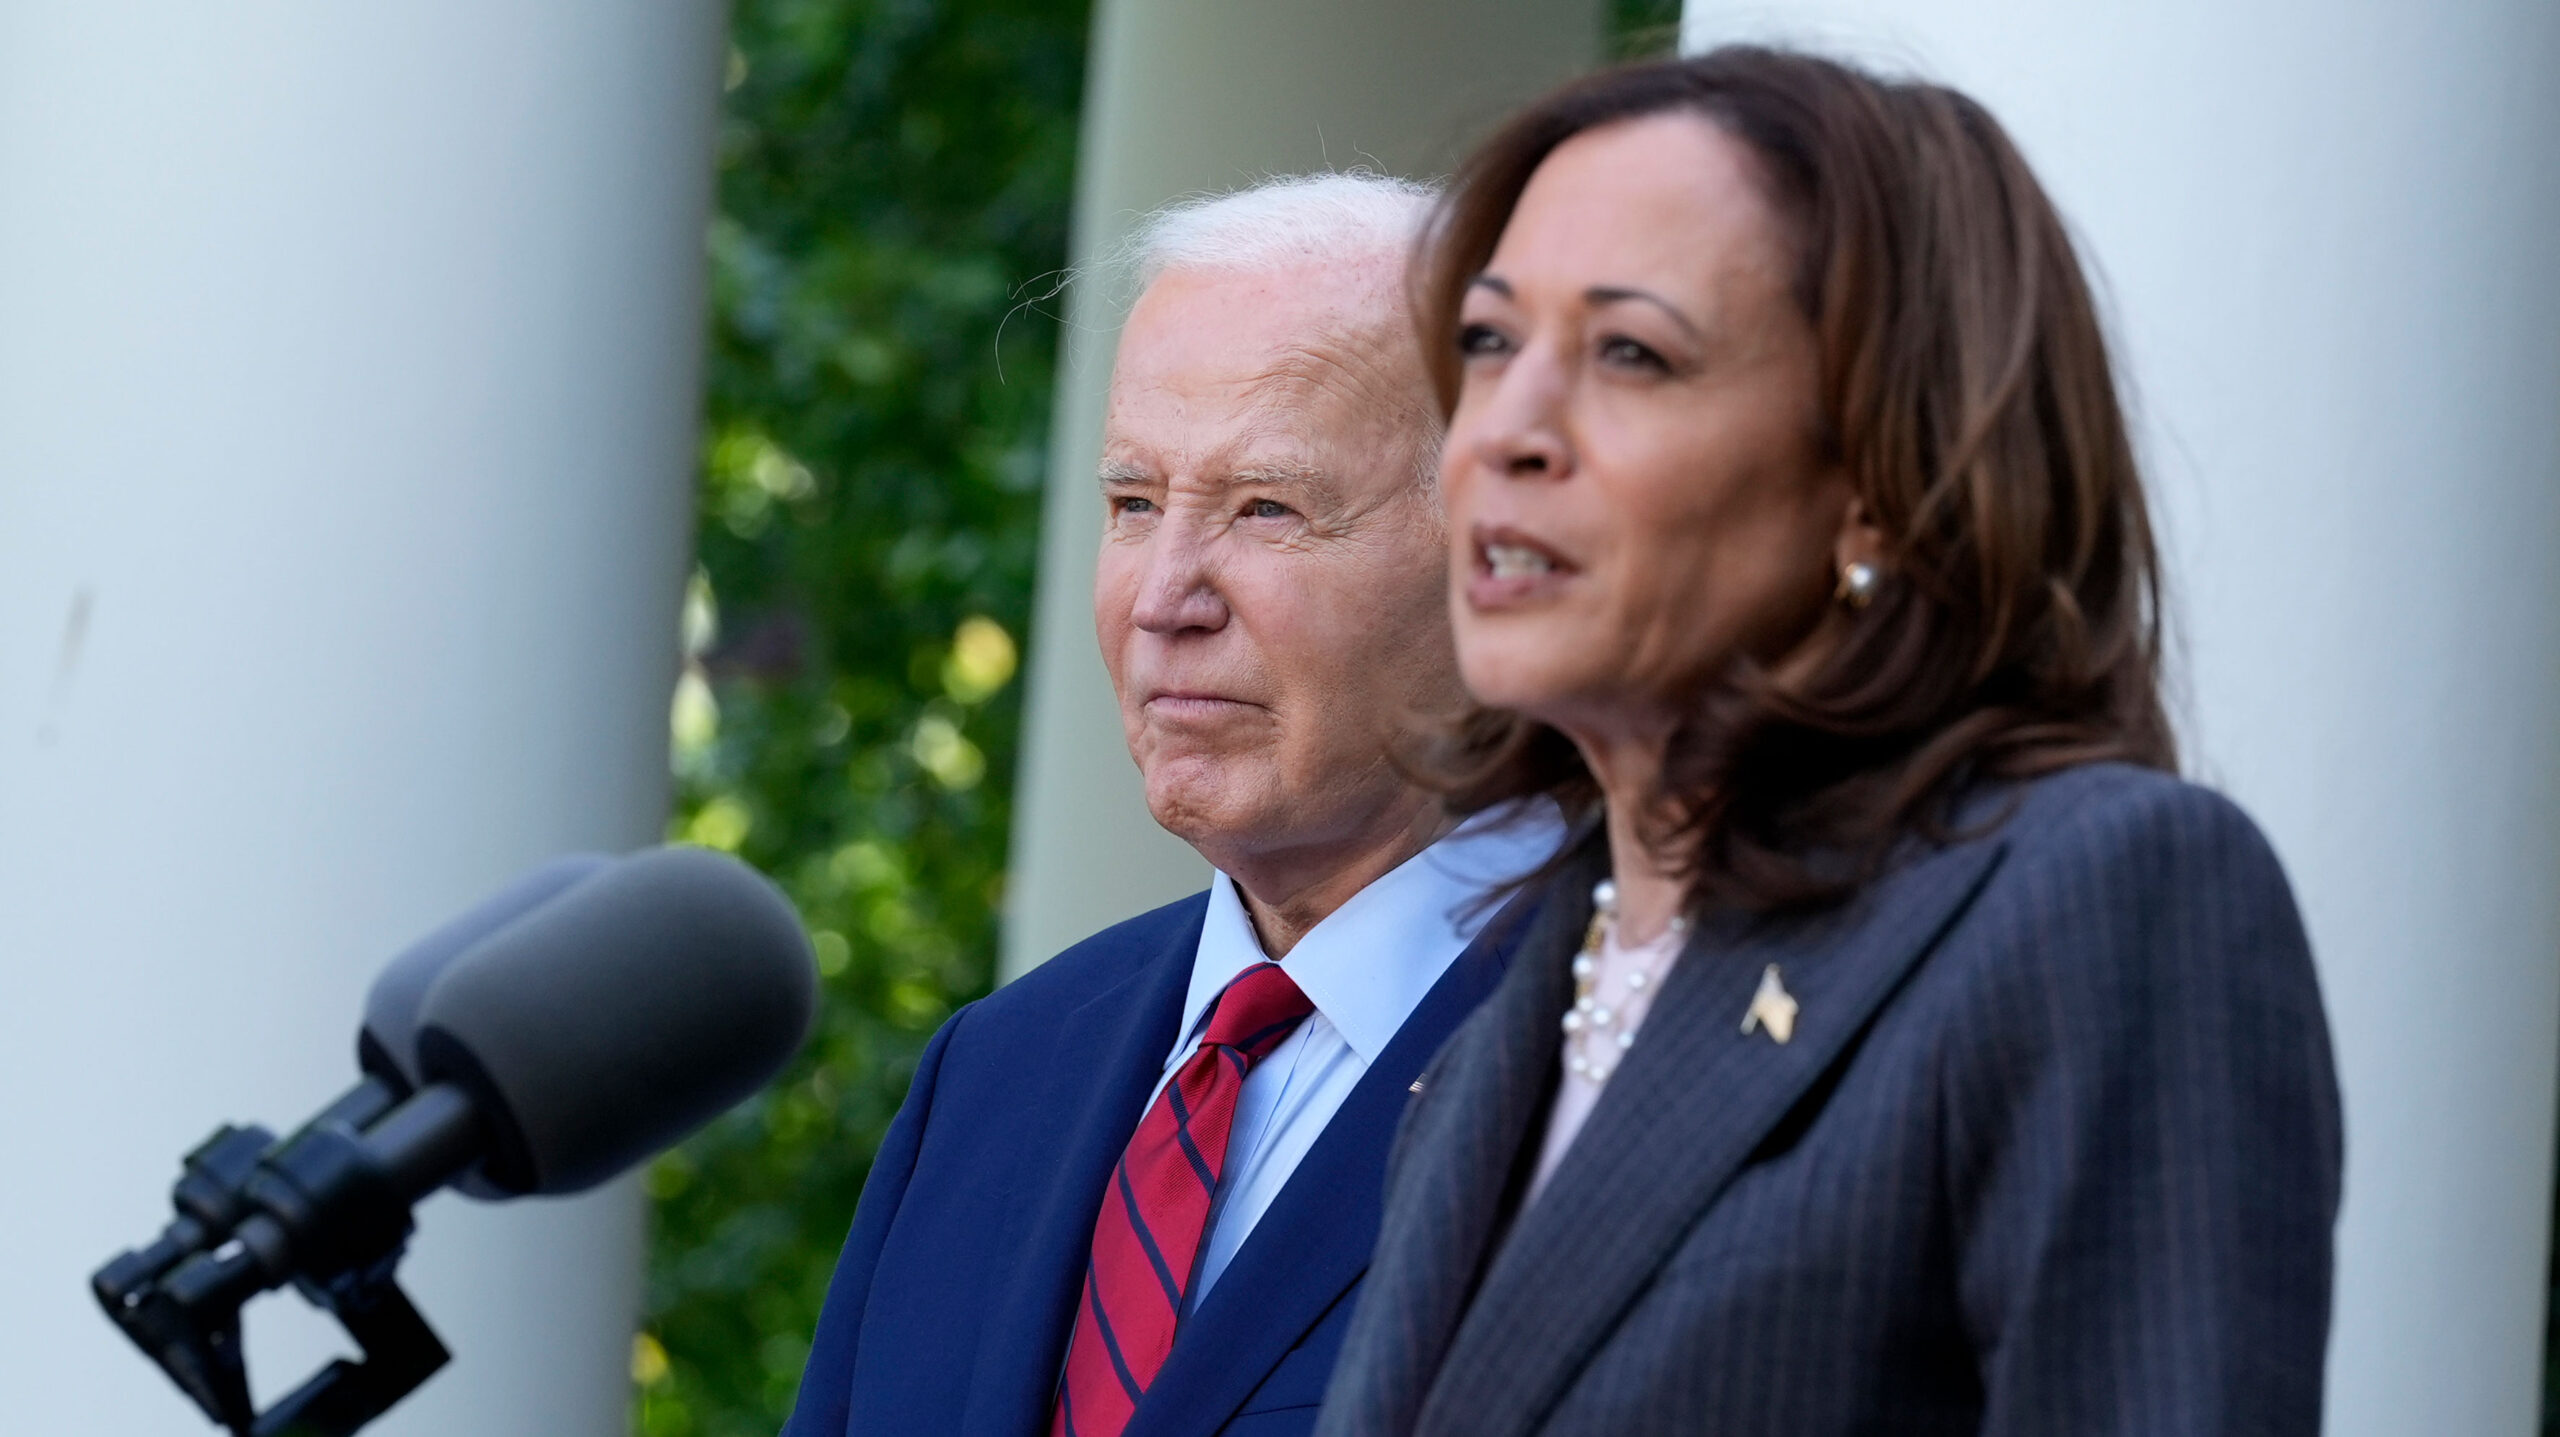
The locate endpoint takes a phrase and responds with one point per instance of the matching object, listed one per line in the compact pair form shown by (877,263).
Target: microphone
(611,1022)
(557,1034)
(386,1046)
(210,1195)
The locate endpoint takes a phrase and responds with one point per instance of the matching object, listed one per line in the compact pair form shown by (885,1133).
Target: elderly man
(1135,1190)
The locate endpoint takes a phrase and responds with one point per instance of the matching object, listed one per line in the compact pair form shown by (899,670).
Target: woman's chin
(1525,679)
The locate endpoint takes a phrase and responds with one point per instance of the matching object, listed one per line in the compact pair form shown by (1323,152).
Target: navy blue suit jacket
(952,1304)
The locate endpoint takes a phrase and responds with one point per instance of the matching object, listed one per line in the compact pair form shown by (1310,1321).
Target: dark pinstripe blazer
(2054,1150)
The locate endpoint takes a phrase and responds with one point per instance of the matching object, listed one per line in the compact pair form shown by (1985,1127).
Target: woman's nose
(1520,432)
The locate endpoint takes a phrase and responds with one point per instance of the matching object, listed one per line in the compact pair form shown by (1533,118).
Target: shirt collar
(1369,963)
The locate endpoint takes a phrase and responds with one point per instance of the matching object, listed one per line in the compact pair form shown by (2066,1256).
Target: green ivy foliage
(1642,29)
(892,174)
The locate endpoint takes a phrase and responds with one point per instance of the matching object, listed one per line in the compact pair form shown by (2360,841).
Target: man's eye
(1130,504)
(1474,339)
(1267,509)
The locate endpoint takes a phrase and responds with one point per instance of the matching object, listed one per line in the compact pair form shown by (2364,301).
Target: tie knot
(1256,1011)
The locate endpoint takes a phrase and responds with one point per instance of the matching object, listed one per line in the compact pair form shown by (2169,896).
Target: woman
(1798,547)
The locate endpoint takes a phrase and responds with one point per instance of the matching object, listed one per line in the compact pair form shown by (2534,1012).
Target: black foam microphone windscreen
(620,1015)
(386,1046)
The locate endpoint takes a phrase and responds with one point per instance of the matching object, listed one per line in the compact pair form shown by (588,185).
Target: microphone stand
(327,1210)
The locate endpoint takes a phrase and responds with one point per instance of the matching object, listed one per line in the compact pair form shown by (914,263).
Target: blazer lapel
(1313,1243)
(1452,1163)
(1121,1036)
(1688,1106)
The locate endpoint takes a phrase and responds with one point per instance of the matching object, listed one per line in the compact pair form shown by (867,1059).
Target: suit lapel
(1453,1160)
(1313,1243)
(1120,1037)
(1691,1102)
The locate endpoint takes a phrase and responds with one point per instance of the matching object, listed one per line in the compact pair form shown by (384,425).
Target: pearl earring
(1858,584)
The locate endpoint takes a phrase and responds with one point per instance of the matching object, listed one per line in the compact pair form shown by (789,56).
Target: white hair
(1283,223)
(1343,221)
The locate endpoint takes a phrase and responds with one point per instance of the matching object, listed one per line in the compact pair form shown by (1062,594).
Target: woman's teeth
(1516,561)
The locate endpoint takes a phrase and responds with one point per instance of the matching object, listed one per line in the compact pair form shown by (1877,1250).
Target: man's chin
(1203,801)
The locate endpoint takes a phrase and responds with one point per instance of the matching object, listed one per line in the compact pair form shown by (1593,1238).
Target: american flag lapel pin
(1772,1008)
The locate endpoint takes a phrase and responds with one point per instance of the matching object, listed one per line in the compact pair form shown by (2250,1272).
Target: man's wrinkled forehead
(1265,364)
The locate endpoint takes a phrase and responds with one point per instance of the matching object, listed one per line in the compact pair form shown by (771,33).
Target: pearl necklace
(1592,1028)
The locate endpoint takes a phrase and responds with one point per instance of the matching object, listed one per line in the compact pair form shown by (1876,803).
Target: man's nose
(1178,590)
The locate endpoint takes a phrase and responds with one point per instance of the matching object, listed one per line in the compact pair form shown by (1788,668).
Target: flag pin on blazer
(1773,1007)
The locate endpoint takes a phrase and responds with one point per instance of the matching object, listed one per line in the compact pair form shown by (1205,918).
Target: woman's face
(1634,488)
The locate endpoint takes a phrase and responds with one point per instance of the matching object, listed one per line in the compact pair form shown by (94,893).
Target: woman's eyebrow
(1600,294)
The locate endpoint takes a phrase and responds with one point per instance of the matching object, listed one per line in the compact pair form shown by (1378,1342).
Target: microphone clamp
(593,1013)
(327,1210)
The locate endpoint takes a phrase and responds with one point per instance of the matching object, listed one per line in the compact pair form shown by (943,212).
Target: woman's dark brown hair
(1966,391)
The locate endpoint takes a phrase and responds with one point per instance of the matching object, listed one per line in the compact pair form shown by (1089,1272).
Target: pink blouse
(1578,1093)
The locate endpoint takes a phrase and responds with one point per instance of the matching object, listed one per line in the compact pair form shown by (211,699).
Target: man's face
(1270,595)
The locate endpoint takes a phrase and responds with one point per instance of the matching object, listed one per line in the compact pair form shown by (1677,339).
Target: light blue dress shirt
(1366,967)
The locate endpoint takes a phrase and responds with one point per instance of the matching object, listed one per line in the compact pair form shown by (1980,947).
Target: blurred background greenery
(892,172)
(895,180)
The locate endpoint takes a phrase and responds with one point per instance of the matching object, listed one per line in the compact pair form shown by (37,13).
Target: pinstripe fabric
(2054,1150)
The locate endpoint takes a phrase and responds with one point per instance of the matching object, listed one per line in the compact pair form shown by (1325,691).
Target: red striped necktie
(1155,1218)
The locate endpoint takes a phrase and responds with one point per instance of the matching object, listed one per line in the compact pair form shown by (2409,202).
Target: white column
(1184,97)
(349,358)
(2328,238)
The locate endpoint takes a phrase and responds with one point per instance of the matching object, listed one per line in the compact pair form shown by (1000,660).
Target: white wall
(2329,233)
(348,369)
(1184,96)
